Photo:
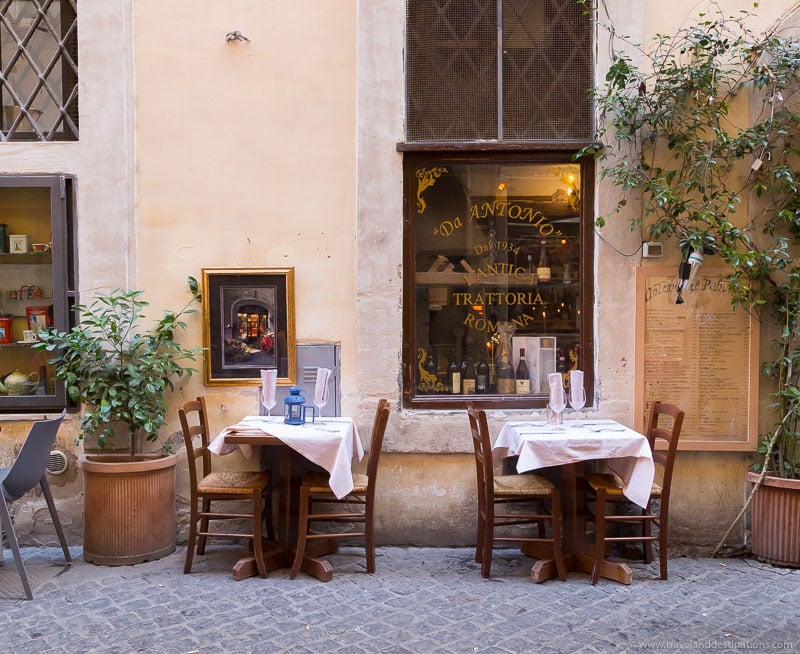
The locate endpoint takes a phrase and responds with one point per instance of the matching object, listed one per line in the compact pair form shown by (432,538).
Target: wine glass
(558,402)
(268,403)
(577,400)
(320,400)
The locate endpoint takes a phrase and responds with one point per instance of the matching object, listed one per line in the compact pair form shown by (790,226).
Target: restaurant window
(37,286)
(498,232)
(38,70)
(498,270)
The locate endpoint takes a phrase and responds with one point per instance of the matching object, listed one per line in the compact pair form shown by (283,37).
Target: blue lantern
(294,407)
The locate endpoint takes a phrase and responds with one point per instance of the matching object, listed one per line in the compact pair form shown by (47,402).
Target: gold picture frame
(248,325)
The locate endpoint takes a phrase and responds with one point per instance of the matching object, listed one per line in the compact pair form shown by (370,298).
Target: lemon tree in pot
(120,368)
(703,125)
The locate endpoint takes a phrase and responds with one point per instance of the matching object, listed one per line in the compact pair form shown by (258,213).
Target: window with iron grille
(502,70)
(498,229)
(38,70)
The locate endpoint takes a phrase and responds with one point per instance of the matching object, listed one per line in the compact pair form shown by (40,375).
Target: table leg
(578,553)
(280,553)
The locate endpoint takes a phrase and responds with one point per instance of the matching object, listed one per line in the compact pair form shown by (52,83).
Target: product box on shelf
(19,243)
(39,317)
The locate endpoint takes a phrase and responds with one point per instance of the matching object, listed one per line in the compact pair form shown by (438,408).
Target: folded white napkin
(321,388)
(557,397)
(269,379)
(575,384)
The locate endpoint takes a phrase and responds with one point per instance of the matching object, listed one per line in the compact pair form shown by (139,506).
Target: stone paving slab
(420,601)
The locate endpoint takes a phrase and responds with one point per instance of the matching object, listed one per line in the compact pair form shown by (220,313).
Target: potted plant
(121,373)
(705,127)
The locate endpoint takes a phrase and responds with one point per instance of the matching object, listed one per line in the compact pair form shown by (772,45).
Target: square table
(538,444)
(331,443)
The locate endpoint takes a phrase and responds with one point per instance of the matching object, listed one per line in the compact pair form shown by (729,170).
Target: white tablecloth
(332,444)
(540,445)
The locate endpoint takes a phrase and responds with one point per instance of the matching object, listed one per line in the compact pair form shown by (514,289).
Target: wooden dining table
(331,443)
(568,446)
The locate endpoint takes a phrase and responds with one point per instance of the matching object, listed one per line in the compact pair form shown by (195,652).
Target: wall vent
(56,462)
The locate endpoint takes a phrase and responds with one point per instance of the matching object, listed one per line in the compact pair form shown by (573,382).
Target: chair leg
(488,546)
(647,546)
(479,538)
(369,538)
(302,529)
(599,534)
(51,505)
(267,513)
(11,536)
(191,539)
(662,547)
(201,543)
(258,546)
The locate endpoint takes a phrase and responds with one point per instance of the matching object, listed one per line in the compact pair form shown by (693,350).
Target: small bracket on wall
(235,35)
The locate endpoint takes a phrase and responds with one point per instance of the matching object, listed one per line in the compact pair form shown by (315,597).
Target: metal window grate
(454,69)
(38,70)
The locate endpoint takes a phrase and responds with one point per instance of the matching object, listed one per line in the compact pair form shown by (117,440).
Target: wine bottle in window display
(522,376)
(482,374)
(432,370)
(469,380)
(454,376)
(543,269)
(504,375)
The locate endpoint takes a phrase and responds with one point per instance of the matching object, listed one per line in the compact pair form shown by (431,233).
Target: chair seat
(318,483)
(613,485)
(233,483)
(520,485)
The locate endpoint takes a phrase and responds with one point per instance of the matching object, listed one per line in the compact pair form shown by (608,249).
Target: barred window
(38,70)
(529,80)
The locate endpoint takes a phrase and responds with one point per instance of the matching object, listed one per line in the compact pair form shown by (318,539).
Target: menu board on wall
(701,355)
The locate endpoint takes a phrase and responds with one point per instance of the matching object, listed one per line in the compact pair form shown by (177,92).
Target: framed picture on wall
(248,325)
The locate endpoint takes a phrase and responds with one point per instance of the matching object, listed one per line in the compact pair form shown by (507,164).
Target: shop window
(37,284)
(498,267)
(39,70)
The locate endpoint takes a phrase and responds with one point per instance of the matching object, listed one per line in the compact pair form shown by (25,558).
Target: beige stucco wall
(281,151)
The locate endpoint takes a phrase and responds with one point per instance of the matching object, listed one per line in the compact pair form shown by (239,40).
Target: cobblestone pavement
(420,601)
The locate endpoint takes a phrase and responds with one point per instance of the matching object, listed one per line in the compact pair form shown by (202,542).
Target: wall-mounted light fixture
(687,272)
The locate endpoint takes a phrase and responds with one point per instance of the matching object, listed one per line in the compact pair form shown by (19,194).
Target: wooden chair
(207,486)
(314,491)
(507,490)
(604,491)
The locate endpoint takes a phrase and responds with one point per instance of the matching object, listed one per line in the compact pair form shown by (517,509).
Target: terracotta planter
(129,508)
(775,521)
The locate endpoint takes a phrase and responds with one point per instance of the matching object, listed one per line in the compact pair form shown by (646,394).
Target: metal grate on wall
(38,70)
(460,86)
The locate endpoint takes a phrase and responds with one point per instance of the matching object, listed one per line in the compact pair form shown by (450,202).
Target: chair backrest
(376,441)
(194,422)
(482,445)
(659,429)
(30,464)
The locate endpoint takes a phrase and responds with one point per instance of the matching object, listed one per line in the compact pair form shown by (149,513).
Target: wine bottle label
(523,386)
(455,383)
(506,386)
(468,386)
(543,274)
(482,384)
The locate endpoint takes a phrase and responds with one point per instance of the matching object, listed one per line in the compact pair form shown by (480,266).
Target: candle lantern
(294,407)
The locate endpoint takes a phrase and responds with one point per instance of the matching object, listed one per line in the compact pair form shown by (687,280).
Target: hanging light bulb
(695,260)
(684,272)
